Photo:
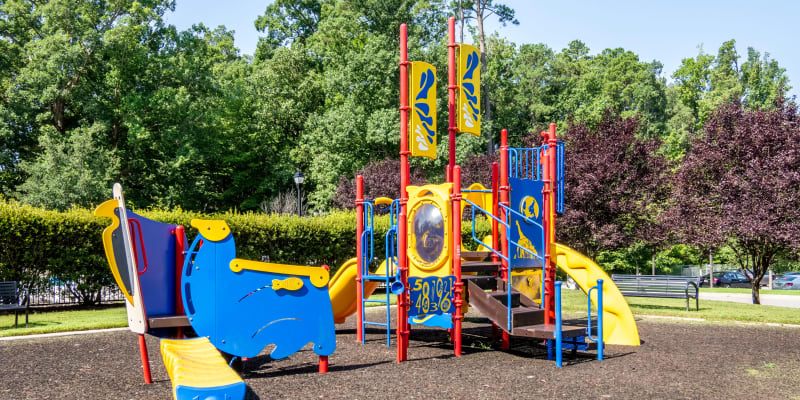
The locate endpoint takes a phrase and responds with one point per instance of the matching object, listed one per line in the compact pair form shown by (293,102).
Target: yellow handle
(291,284)
(319,276)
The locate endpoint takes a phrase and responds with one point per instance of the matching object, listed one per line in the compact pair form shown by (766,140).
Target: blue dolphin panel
(243,312)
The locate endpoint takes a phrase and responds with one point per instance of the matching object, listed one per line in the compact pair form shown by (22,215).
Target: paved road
(766,299)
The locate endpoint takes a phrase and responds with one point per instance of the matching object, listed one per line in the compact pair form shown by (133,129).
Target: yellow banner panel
(469,89)
(422,135)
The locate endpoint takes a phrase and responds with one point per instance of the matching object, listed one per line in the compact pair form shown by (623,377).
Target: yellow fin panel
(291,284)
(107,210)
(213,230)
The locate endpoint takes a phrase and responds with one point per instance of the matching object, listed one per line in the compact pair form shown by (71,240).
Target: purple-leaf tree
(381,179)
(614,186)
(740,184)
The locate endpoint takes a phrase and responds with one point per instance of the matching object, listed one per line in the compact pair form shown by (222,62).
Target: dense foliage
(101,91)
(39,246)
(740,183)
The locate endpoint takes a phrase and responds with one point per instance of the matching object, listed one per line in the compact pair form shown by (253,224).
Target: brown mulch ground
(676,360)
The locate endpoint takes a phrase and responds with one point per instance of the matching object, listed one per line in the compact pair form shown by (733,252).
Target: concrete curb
(57,334)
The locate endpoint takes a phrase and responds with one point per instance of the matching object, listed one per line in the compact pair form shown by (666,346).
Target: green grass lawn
(63,321)
(575,301)
(574,304)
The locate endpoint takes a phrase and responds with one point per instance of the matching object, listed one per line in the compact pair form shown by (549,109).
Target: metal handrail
(599,337)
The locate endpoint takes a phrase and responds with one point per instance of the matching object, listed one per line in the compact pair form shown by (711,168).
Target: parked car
(764,279)
(787,281)
(727,279)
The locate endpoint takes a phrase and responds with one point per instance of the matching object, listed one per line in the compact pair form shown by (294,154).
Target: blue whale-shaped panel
(243,312)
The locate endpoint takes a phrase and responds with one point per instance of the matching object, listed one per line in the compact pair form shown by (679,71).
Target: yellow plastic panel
(319,276)
(422,91)
(469,89)
(213,230)
(429,230)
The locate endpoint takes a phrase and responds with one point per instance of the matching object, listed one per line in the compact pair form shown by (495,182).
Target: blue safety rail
(390,253)
(599,332)
(554,350)
(498,253)
(560,177)
(525,163)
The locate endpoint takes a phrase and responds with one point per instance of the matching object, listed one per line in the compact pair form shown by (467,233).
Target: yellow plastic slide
(342,289)
(619,327)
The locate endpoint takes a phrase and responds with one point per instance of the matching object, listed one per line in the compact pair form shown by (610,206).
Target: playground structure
(512,283)
(238,307)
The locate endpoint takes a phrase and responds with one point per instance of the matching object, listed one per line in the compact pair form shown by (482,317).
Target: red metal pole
(503,215)
(148,379)
(458,285)
(359,258)
(323,364)
(551,237)
(495,207)
(552,142)
(549,286)
(180,257)
(403,299)
(451,94)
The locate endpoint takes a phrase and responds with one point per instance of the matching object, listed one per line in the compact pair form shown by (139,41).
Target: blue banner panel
(431,295)
(527,199)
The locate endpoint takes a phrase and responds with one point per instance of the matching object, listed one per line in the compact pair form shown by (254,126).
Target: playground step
(502,297)
(475,255)
(480,266)
(167,321)
(485,282)
(528,313)
(543,331)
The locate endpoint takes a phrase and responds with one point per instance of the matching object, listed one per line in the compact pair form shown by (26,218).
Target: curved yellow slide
(619,327)
(342,289)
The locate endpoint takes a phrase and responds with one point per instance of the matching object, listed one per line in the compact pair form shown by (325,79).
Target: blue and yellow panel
(422,91)
(243,305)
(469,89)
(430,233)
(198,371)
(526,198)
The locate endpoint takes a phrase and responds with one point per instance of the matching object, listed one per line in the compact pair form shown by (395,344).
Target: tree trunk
(58,115)
(461,19)
(653,261)
(756,287)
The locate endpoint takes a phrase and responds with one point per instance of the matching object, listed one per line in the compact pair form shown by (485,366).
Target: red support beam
(451,95)
(148,379)
(403,299)
(458,285)
(503,215)
(359,257)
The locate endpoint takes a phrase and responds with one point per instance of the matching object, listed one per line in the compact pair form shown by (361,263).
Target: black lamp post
(298,181)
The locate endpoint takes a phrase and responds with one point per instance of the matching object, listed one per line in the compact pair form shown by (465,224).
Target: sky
(667,31)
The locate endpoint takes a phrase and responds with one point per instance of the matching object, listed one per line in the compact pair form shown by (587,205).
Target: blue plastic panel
(431,295)
(527,199)
(158,280)
(242,313)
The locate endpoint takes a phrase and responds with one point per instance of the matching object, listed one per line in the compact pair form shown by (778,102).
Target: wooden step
(543,331)
(502,297)
(524,316)
(485,282)
(480,266)
(167,321)
(475,255)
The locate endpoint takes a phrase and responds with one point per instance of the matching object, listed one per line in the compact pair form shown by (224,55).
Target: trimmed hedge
(38,245)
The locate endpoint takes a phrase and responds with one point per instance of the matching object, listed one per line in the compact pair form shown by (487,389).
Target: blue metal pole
(558,324)
(600,343)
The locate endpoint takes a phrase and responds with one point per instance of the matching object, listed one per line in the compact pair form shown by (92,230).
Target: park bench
(662,286)
(13,298)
